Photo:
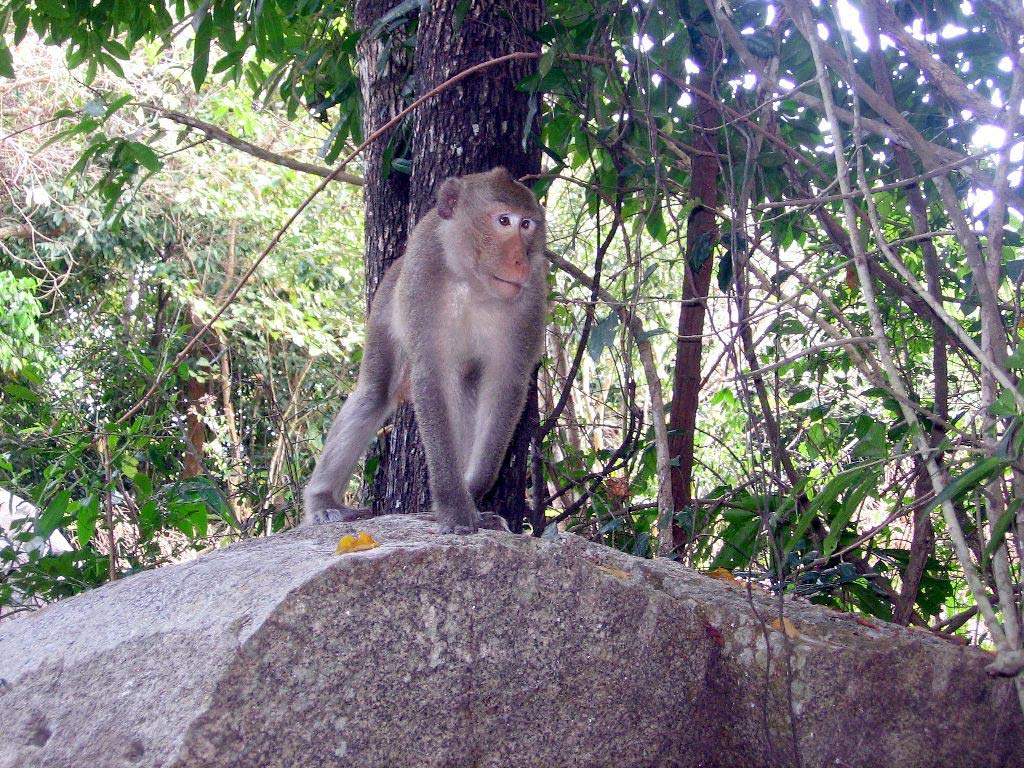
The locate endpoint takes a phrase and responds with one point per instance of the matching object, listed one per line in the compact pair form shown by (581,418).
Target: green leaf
(738,541)
(224,21)
(18,392)
(642,545)
(876,392)
(999,529)
(851,503)
(761,44)
(656,226)
(701,250)
(1016,358)
(603,335)
(725,271)
(459,16)
(117,49)
(110,63)
(75,56)
(873,445)
(201,52)
(1014,269)
(802,396)
(980,472)
(199,519)
(648,335)
(405,8)
(271,27)
(787,324)
(116,104)
(824,499)
(143,486)
(547,59)
(146,156)
(53,517)
(1004,405)
(149,519)
(88,513)
(1012,441)
(6,60)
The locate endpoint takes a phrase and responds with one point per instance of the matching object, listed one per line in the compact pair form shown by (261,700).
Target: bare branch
(219,134)
(941,76)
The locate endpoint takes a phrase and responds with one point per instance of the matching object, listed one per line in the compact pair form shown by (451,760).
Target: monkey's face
(507,245)
(493,229)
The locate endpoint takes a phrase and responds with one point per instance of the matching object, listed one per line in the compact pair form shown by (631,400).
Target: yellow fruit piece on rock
(358,543)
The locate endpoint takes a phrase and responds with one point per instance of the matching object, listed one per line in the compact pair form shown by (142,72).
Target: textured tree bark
(701,234)
(195,394)
(195,431)
(382,79)
(478,124)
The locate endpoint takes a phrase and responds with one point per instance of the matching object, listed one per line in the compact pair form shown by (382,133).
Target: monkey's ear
(448,197)
(501,173)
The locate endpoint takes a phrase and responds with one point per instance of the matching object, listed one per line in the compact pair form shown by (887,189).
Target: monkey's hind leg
(360,416)
(339,515)
(491,521)
(494,522)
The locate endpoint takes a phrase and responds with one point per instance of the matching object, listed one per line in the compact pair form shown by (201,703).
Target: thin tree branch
(857,193)
(219,134)
(940,75)
(802,17)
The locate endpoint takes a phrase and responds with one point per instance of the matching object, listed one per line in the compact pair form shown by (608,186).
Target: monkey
(457,327)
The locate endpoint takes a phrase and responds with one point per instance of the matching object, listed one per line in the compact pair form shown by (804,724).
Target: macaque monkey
(457,326)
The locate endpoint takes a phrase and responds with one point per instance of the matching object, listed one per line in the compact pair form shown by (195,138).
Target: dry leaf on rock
(618,573)
(723,574)
(786,626)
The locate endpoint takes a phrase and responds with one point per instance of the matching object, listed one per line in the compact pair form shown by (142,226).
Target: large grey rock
(486,650)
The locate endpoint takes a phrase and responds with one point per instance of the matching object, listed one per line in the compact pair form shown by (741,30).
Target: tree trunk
(701,234)
(194,404)
(472,127)
(385,190)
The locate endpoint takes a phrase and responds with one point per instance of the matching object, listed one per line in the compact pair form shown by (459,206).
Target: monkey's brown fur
(458,323)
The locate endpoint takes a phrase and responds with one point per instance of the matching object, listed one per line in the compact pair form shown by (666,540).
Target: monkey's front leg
(501,399)
(434,401)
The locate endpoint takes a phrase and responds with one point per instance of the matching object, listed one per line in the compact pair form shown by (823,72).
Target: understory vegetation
(786,315)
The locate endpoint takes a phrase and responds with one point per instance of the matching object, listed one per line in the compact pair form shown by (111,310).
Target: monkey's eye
(525,223)
(504,220)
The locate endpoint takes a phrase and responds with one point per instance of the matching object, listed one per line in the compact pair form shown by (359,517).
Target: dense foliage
(855,310)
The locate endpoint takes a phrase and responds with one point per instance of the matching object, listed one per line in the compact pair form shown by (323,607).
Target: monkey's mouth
(507,287)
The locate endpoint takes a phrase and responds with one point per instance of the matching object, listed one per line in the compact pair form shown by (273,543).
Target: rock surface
(485,650)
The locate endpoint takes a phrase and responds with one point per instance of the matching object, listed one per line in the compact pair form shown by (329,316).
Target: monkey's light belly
(483,650)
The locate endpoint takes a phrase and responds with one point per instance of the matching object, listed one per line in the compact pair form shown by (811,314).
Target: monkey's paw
(339,515)
(492,521)
(456,528)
